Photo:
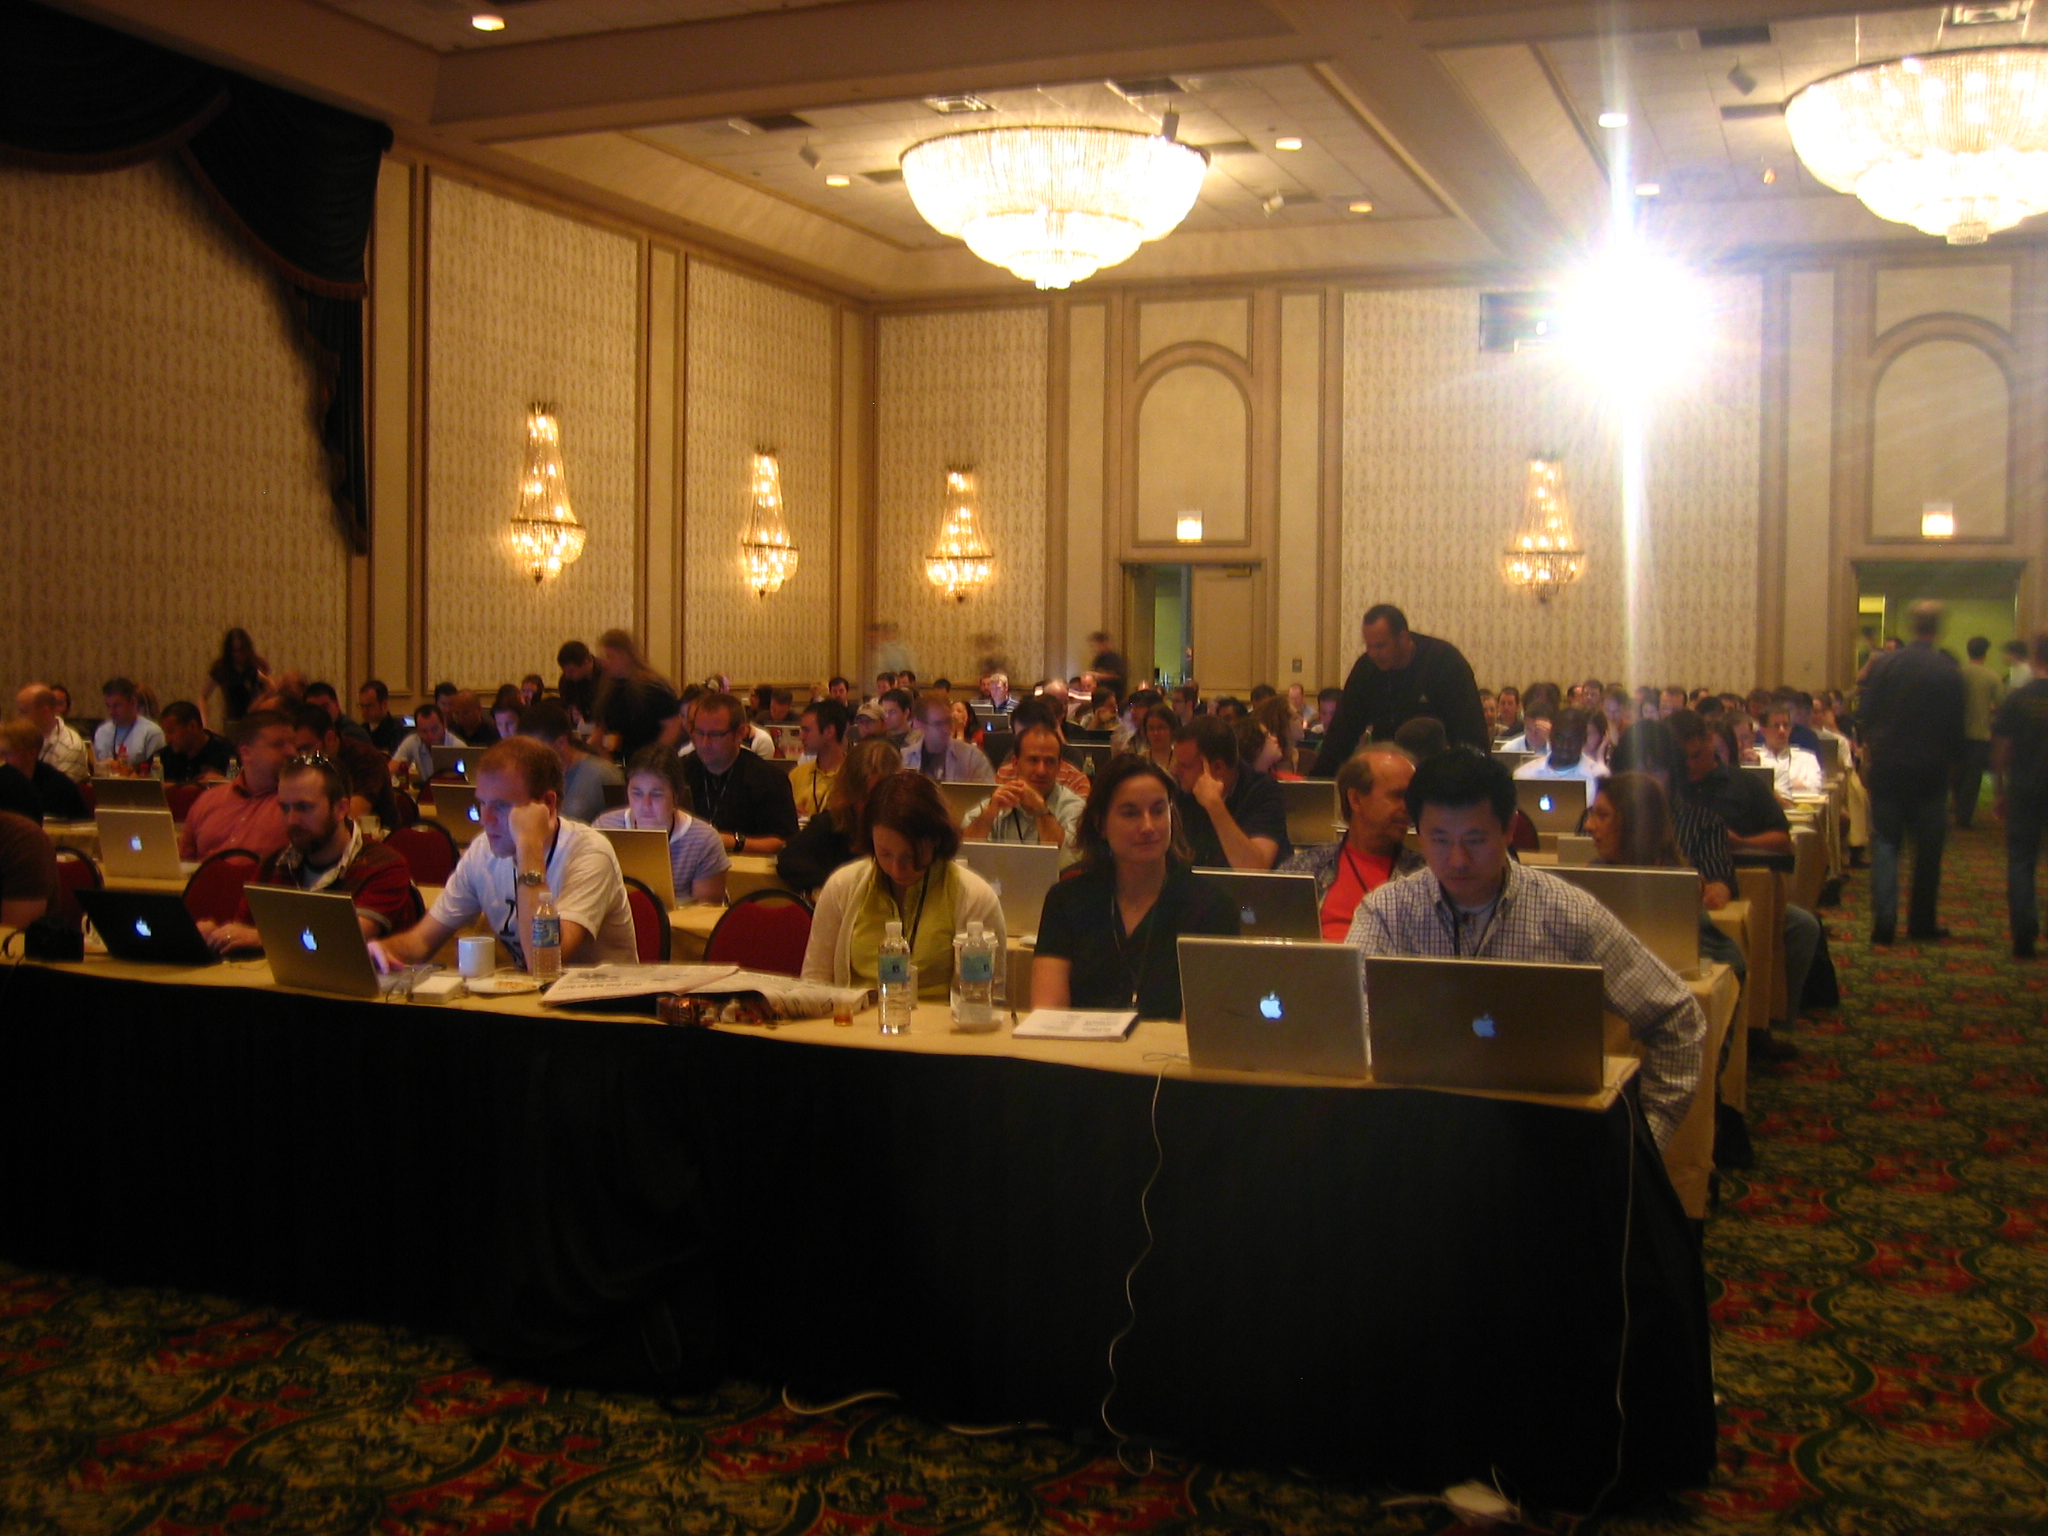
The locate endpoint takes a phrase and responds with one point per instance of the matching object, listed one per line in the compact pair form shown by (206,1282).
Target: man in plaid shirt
(1475,902)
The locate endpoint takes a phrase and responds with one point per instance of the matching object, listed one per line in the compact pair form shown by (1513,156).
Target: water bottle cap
(892,930)
(974,929)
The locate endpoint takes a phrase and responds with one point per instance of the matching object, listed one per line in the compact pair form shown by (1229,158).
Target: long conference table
(1409,1286)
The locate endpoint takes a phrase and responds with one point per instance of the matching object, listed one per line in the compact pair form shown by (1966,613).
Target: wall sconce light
(1187,528)
(767,552)
(962,559)
(1937,519)
(545,533)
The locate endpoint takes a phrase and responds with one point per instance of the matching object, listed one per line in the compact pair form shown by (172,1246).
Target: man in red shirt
(1373,789)
(244,813)
(325,851)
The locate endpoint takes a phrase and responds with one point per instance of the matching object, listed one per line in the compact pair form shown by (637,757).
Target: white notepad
(1074,1024)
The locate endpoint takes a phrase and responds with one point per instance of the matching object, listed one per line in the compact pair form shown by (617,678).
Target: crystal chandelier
(545,533)
(1955,144)
(767,552)
(962,558)
(1053,203)
(1544,558)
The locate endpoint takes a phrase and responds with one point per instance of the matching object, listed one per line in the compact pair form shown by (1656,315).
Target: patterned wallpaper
(1437,436)
(965,386)
(762,372)
(524,305)
(164,478)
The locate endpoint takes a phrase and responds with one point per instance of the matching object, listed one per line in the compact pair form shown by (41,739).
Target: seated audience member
(1597,739)
(29,786)
(840,691)
(532,687)
(243,813)
(822,728)
(1473,901)
(1489,708)
(935,754)
(1567,757)
(827,839)
(28,871)
(658,800)
(1372,787)
(526,845)
(429,730)
(505,712)
(1422,738)
(1110,936)
(1742,740)
(907,681)
(899,718)
(757,740)
(1670,700)
(576,687)
(1033,807)
(964,728)
(1187,703)
(1794,770)
(1284,726)
(1535,736)
(910,877)
(1229,709)
(324,695)
(63,749)
(373,709)
(1297,703)
(63,701)
(584,773)
(996,687)
(191,753)
(743,796)
(126,739)
(884,681)
(1507,715)
(1043,710)
(324,851)
(1631,826)
(1234,816)
(466,719)
(1256,747)
(1701,835)
(365,770)
(1156,740)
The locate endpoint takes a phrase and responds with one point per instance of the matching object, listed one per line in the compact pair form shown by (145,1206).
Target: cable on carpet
(819,1410)
(1131,1274)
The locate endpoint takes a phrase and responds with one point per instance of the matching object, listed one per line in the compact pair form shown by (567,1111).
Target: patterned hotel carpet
(1880,1291)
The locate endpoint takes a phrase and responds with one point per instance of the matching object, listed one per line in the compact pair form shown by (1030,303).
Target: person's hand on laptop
(222,937)
(383,959)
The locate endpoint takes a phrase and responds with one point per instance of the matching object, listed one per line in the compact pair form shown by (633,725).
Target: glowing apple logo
(1544,801)
(1248,917)
(135,844)
(141,929)
(474,817)
(310,943)
(1269,1005)
(1483,1026)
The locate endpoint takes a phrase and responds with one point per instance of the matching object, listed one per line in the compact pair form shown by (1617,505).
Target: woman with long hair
(911,877)
(658,800)
(238,674)
(827,839)
(1109,937)
(1631,824)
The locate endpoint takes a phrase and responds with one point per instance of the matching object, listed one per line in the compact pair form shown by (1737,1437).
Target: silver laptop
(1495,1024)
(1091,760)
(1553,805)
(1273,1005)
(1269,906)
(312,940)
(644,856)
(1512,760)
(1021,873)
(1768,777)
(455,760)
(455,808)
(1314,814)
(140,845)
(1659,906)
(963,800)
(1573,850)
(118,794)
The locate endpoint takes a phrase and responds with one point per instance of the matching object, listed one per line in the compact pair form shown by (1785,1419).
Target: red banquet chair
(90,796)
(765,930)
(75,873)
(214,893)
(652,936)
(429,852)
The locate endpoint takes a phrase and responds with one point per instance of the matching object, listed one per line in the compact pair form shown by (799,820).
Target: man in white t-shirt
(526,844)
(1567,757)
(1794,770)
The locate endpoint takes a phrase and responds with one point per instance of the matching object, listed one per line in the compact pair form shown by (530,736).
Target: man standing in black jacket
(1401,675)
(1911,710)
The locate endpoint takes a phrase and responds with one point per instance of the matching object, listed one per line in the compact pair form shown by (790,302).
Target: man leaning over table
(243,813)
(1473,901)
(325,851)
(526,845)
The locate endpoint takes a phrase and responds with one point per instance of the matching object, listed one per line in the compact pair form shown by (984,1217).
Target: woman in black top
(238,673)
(826,841)
(1110,936)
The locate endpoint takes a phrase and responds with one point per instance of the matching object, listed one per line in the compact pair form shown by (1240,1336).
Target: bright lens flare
(1635,320)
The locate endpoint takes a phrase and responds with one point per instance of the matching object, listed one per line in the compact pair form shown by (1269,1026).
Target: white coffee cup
(477,955)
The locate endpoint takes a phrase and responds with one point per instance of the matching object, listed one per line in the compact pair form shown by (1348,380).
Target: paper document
(605,983)
(1073,1024)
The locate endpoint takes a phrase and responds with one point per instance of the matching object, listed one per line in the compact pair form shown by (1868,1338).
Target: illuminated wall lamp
(1937,520)
(1187,528)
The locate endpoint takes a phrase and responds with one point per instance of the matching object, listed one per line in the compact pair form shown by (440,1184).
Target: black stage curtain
(296,177)
(1413,1287)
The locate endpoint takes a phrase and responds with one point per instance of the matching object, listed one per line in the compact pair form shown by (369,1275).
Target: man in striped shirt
(1473,901)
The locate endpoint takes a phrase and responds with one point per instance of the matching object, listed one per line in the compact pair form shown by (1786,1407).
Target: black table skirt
(1409,1286)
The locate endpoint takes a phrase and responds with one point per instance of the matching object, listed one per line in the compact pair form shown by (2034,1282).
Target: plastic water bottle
(892,970)
(974,980)
(544,954)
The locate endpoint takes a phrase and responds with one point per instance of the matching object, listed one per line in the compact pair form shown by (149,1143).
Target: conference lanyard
(1116,930)
(914,923)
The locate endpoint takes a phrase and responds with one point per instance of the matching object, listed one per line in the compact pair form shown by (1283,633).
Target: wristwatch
(533,877)
(739,842)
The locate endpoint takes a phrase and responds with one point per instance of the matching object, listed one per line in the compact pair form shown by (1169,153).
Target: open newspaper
(705,994)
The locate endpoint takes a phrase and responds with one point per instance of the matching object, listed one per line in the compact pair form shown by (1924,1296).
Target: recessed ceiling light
(1613,119)
(1362,205)
(487,21)
(1647,189)
(1289,142)
(1769,176)
(836,179)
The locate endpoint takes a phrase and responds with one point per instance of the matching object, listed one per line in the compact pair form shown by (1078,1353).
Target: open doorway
(1982,598)
(1193,623)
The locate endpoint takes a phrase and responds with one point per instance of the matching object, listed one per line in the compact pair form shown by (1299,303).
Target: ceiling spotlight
(1362,205)
(838,179)
(487,21)
(1742,79)
(809,156)
(1290,142)
(1274,203)
(1613,119)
